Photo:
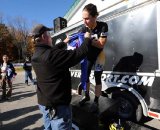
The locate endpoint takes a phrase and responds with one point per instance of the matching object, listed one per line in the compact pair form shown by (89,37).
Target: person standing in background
(27,66)
(7,73)
(96,57)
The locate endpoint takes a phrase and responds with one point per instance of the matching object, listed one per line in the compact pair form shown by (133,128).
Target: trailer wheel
(129,107)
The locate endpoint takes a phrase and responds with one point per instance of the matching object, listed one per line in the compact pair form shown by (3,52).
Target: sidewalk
(21,111)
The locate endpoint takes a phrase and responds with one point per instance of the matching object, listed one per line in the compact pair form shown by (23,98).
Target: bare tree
(6,44)
(20,31)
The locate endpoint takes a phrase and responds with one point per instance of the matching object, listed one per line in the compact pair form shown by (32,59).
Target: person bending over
(51,65)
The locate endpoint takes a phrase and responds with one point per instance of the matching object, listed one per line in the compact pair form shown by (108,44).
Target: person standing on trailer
(95,58)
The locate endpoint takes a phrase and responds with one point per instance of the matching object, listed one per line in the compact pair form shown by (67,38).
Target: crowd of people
(51,65)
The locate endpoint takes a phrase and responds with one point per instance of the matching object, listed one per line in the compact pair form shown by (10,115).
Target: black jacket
(27,66)
(10,69)
(51,65)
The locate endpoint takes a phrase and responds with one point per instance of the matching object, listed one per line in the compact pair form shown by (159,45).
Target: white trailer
(132,68)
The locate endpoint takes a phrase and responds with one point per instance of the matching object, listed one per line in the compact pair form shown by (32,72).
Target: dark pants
(5,92)
(28,74)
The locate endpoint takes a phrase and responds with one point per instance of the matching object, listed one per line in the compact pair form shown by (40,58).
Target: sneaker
(27,84)
(94,107)
(8,98)
(3,98)
(35,83)
(84,100)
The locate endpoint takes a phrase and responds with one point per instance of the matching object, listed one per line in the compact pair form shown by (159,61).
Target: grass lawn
(19,69)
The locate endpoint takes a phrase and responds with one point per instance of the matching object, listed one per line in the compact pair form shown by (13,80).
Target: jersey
(100,30)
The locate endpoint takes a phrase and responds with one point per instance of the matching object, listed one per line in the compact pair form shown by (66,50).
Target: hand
(96,43)
(66,40)
(3,71)
(87,35)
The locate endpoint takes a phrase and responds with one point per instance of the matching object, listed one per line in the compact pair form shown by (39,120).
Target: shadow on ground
(20,124)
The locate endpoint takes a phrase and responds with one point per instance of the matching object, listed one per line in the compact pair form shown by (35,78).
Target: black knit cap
(39,29)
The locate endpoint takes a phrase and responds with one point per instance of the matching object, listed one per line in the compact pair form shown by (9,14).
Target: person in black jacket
(27,66)
(7,73)
(51,65)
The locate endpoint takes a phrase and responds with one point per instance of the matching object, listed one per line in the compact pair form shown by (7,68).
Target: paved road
(21,111)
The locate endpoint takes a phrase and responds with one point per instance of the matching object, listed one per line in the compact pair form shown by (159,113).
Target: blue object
(62,119)
(76,40)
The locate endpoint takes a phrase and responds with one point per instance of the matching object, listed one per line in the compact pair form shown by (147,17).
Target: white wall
(101,5)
